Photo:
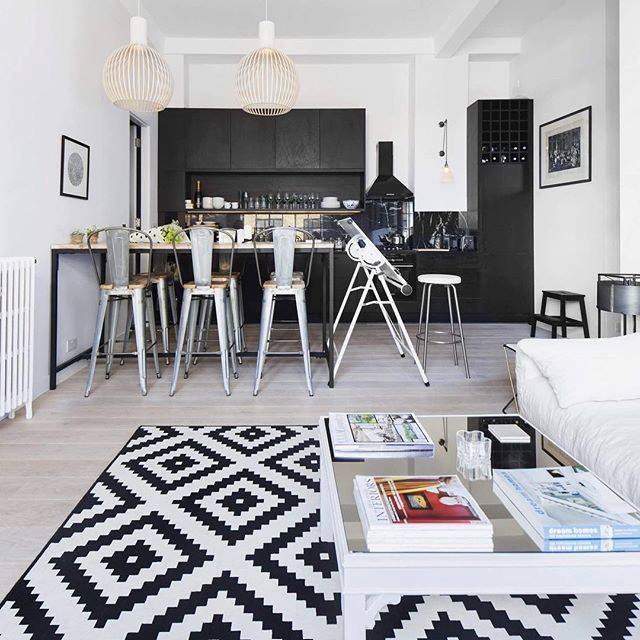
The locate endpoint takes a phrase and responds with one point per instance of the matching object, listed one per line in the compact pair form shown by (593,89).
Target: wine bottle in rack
(197,200)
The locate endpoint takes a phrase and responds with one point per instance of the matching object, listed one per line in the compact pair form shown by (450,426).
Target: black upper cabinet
(342,139)
(208,139)
(171,139)
(298,139)
(252,141)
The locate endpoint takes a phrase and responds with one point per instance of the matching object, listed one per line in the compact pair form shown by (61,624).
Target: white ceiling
(511,18)
(303,18)
(336,18)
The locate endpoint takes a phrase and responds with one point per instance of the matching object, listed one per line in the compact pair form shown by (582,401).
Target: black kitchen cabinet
(171,190)
(171,139)
(342,139)
(298,139)
(253,141)
(500,192)
(208,139)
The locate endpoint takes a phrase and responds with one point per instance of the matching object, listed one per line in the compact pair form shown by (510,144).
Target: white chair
(283,282)
(202,290)
(449,282)
(122,288)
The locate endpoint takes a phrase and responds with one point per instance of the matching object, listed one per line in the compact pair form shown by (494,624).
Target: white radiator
(17,296)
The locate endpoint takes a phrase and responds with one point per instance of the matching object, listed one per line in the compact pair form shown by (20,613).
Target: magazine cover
(361,430)
(568,503)
(415,500)
(601,545)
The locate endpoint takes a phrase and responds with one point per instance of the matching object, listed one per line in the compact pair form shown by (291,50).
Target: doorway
(135,175)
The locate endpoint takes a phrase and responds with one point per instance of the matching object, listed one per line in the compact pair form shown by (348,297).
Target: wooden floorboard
(49,462)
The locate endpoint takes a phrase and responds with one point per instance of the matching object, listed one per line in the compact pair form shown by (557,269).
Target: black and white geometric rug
(211,533)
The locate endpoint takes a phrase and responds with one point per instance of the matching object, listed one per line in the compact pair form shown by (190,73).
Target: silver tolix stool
(282,282)
(204,289)
(122,288)
(163,282)
(449,282)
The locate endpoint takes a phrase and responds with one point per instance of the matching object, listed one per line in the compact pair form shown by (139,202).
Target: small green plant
(90,230)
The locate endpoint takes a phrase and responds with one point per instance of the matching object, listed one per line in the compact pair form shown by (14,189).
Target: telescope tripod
(383,299)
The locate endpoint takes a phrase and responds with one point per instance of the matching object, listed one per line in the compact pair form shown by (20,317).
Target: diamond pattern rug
(213,533)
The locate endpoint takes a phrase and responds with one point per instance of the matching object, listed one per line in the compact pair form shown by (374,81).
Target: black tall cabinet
(500,192)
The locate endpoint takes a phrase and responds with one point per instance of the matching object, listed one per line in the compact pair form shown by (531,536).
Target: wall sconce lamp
(446,175)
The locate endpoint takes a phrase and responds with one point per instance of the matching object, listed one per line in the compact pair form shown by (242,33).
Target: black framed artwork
(74,168)
(565,149)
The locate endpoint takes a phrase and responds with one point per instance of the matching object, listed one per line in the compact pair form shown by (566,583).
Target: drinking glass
(473,455)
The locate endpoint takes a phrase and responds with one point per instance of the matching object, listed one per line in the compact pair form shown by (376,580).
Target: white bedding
(604,436)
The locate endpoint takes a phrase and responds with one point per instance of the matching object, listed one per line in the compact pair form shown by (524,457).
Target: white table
(371,580)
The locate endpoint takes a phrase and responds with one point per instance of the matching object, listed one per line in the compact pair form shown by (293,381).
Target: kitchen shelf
(341,211)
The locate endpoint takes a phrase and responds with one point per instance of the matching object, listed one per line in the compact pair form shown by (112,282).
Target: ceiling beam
(459,28)
(322,47)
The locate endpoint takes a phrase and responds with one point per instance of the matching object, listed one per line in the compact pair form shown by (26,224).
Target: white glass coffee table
(515,566)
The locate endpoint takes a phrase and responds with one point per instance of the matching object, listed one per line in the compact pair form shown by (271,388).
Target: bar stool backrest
(284,246)
(202,239)
(118,245)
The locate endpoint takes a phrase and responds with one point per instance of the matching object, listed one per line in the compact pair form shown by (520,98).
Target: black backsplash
(426,224)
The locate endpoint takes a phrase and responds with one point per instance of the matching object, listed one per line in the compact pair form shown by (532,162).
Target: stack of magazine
(378,435)
(420,513)
(568,509)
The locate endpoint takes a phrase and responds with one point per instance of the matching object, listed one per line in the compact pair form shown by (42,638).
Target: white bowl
(330,199)
(218,202)
(350,204)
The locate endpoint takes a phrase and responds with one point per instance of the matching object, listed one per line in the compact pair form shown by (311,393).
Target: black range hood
(386,186)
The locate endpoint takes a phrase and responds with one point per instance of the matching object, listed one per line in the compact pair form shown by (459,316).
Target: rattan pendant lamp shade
(267,82)
(136,77)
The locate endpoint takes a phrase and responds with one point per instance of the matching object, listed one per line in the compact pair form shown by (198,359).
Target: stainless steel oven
(405,263)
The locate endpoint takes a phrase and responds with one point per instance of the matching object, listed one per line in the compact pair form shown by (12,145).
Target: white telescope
(379,272)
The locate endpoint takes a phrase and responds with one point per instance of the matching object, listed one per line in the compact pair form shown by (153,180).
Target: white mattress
(603,436)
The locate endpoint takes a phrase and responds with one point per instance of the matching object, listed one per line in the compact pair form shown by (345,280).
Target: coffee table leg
(326,531)
(353,616)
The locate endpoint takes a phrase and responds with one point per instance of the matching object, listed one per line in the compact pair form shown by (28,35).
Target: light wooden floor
(49,462)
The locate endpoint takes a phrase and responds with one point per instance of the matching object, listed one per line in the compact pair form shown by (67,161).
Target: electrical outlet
(72,345)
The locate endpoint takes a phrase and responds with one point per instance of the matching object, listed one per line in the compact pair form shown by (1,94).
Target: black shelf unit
(306,150)
(500,193)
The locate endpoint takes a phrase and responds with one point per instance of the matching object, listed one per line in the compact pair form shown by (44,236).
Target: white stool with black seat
(449,282)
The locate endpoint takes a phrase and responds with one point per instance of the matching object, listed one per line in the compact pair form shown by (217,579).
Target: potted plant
(77,236)
(89,230)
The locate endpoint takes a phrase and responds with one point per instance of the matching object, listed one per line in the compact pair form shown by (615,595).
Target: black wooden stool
(561,321)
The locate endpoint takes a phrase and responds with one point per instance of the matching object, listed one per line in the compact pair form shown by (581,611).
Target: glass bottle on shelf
(278,200)
(294,201)
(305,200)
(270,201)
(286,200)
(250,203)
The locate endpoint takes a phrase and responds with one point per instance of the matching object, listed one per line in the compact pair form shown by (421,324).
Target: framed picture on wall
(565,149)
(74,169)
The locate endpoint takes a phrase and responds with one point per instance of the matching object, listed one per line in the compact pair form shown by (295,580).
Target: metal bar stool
(449,282)
(164,283)
(283,282)
(204,289)
(121,288)
(236,300)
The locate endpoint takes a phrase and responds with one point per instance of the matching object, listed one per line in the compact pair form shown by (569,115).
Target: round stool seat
(439,278)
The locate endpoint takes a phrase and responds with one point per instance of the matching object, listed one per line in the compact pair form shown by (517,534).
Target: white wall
(563,67)
(629,136)
(405,97)
(381,89)
(489,80)
(53,53)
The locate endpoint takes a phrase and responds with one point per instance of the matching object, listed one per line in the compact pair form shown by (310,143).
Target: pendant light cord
(139,8)
(266,9)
